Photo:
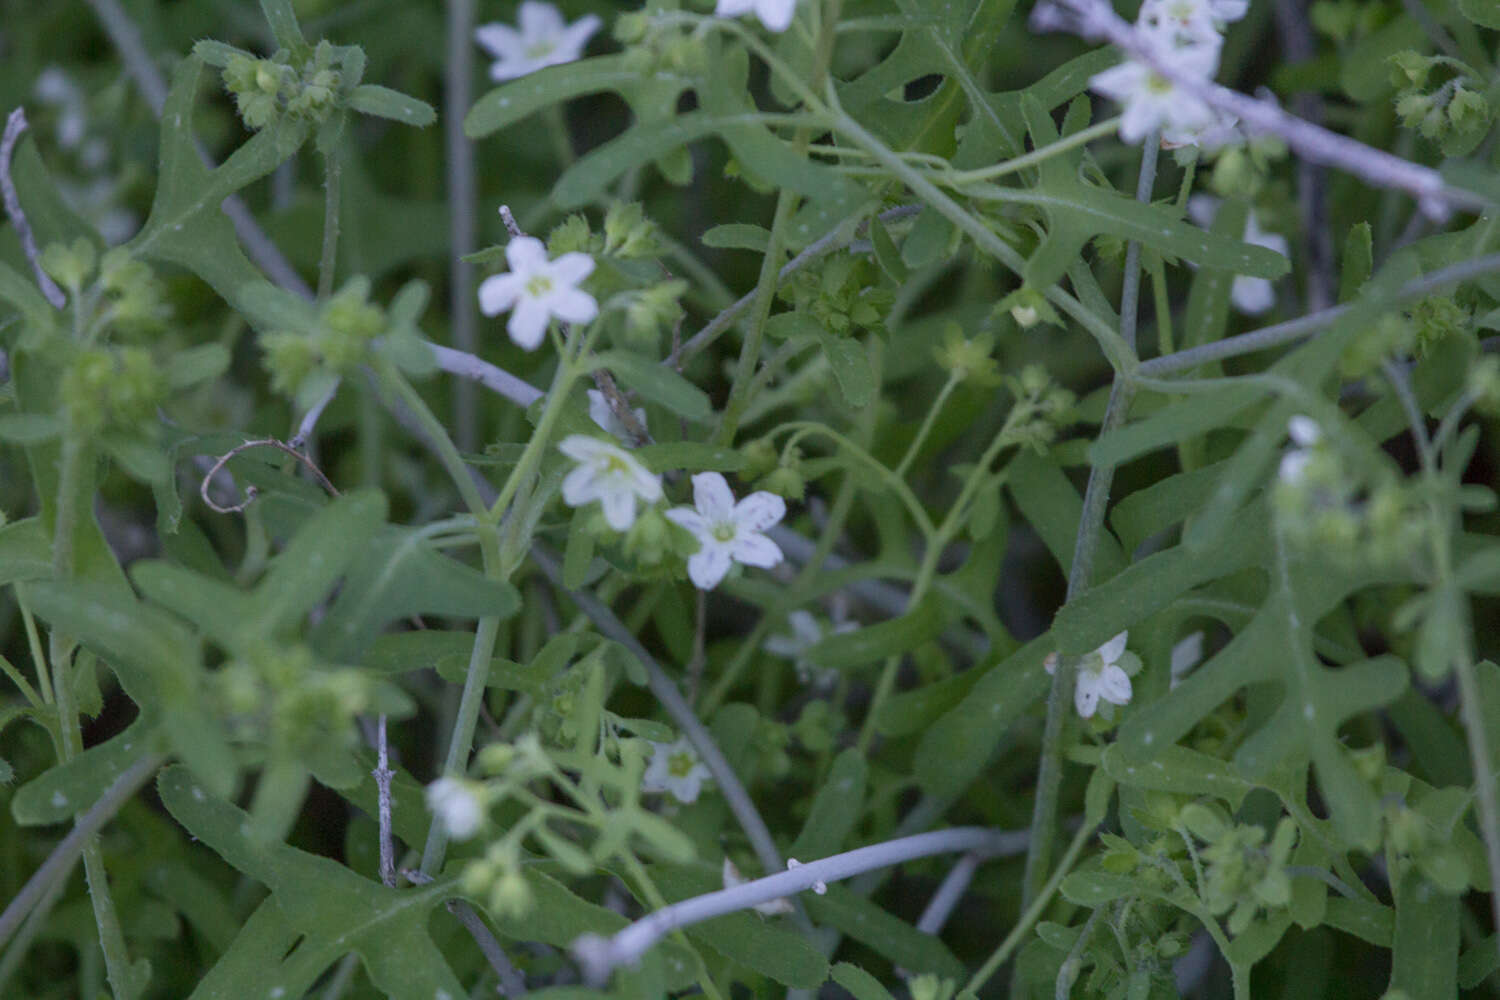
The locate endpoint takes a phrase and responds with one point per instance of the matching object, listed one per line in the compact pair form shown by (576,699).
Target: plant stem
(932,414)
(395,384)
(1033,912)
(458,96)
(328,259)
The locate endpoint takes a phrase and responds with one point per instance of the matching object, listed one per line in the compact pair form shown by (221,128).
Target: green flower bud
(649,539)
(631,28)
(70,266)
(510,896)
(761,456)
(785,482)
(495,758)
(572,235)
(1409,69)
(1468,110)
(1484,385)
(289,358)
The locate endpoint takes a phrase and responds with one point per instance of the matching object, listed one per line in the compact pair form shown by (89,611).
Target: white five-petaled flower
(776,15)
(544,39)
(453,802)
(610,474)
(1249,295)
(536,289)
(1305,433)
(728,532)
(1100,675)
(601,413)
(807,630)
(676,769)
(1151,100)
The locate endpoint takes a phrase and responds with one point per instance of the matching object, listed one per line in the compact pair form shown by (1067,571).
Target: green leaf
(1485,13)
(789,325)
(851,369)
(25,552)
(865,645)
(657,384)
(859,982)
(1424,959)
(1182,771)
(314,559)
(1359,258)
(282,18)
(397,574)
(738,236)
(72,786)
(334,910)
(889,936)
(29,428)
(956,749)
(517,99)
(36,311)
(690,456)
(836,809)
(1053,508)
(383,102)
(192,365)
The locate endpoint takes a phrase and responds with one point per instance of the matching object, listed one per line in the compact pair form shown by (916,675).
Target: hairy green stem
(332,193)
(1080,574)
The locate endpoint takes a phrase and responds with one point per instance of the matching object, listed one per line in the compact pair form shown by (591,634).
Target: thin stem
(531,457)
(394,383)
(494,378)
(383,775)
(733,790)
(476,678)
(458,96)
(1041,154)
(1032,913)
(600,956)
(14,126)
(60,862)
(932,414)
(328,259)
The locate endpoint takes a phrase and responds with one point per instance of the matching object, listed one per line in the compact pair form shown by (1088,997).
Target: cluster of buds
(1242,874)
(652,48)
(844,294)
(302,363)
(1452,113)
(1041,407)
(264,90)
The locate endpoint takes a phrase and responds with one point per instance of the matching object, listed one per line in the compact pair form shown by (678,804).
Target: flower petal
(499,292)
(712,497)
(572,305)
(1085,696)
(500,40)
(690,519)
(528,324)
(776,15)
(582,486)
(582,448)
(575,36)
(755,549)
(540,21)
(1252,296)
(619,509)
(708,565)
(526,255)
(572,267)
(1113,685)
(759,511)
(1111,650)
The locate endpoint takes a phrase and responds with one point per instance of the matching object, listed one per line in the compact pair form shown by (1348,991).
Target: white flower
(674,768)
(806,631)
(776,15)
(1152,101)
(609,474)
(770,907)
(1185,655)
(1100,676)
(537,289)
(453,802)
(1249,295)
(728,532)
(54,87)
(601,413)
(545,39)
(1305,433)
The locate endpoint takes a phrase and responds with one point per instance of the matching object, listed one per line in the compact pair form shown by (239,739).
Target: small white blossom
(453,803)
(1190,22)
(676,769)
(728,532)
(1152,101)
(544,39)
(1305,433)
(601,413)
(776,15)
(1185,655)
(609,474)
(1100,675)
(770,907)
(806,631)
(1249,295)
(537,289)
